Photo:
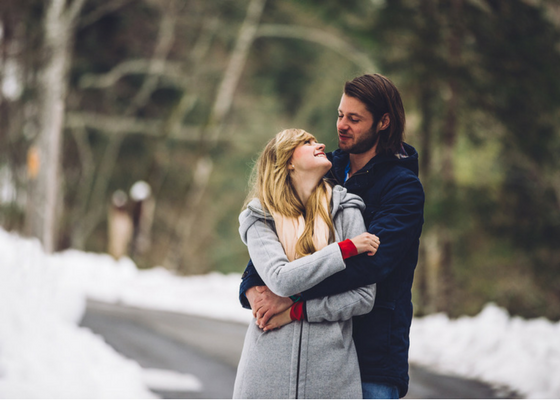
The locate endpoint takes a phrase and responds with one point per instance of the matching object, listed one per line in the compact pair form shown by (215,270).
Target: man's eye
(339,116)
(354,120)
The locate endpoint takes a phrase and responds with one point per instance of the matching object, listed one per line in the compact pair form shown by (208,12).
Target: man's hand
(266,304)
(252,293)
(278,321)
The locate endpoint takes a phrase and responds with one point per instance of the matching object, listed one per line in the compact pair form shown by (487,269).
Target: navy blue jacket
(394,198)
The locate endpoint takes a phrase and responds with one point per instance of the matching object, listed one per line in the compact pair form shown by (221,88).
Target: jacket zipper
(299,358)
(344,184)
(358,173)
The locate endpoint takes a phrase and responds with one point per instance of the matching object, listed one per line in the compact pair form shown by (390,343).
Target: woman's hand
(366,242)
(278,321)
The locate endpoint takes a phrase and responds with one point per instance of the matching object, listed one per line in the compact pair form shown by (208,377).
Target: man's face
(356,133)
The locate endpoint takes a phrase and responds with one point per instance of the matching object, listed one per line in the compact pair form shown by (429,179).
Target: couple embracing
(333,240)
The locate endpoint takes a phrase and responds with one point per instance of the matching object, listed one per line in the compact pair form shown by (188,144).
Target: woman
(295,226)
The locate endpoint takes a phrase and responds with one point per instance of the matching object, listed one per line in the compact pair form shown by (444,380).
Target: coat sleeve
(343,306)
(285,278)
(249,279)
(397,223)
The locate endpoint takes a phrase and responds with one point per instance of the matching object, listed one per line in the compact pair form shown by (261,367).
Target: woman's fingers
(366,243)
(374,245)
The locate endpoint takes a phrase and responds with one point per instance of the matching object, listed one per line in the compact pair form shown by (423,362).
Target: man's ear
(384,122)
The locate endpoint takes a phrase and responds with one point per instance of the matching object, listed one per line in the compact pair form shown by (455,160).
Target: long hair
(381,97)
(272,185)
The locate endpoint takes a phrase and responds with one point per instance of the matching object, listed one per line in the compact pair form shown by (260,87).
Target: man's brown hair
(381,97)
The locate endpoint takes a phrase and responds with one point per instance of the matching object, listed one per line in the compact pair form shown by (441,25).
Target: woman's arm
(338,307)
(343,306)
(283,277)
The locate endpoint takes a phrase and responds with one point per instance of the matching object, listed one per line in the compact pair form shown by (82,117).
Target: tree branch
(321,37)
(107,8)
(222,105)
(74,11)
(166,35)
(128,125)
(168,70)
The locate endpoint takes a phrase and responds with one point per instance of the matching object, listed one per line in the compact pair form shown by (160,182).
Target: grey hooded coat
(315,358)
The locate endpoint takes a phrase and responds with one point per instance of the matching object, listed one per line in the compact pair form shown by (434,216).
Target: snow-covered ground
(45,354)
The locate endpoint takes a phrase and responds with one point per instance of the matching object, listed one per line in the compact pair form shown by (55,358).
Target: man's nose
(341,124)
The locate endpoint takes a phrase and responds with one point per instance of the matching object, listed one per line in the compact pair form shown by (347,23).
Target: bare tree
(92,204)
(187,76)
(59,26)
(220,109)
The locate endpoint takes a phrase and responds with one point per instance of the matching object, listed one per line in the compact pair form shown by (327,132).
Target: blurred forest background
(97,95)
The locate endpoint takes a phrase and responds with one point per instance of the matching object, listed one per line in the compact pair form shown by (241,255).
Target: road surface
(210,349)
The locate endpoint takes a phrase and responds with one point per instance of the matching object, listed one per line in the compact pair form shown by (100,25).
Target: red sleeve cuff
(348,249)
(296,313)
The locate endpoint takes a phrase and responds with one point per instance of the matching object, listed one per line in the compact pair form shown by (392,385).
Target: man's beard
(364,144)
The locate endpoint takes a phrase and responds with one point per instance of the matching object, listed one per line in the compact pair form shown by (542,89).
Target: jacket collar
(340,160)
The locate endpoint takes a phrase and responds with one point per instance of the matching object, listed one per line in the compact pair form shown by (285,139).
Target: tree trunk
(446,231)
(424,300)
(44,199)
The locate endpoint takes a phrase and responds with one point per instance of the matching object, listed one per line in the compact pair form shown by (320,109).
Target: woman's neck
(305,187)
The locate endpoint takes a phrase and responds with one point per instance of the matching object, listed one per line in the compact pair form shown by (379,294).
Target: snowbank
(523,355)
(43,353)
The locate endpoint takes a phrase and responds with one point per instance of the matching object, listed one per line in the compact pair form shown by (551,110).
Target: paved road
(210,350)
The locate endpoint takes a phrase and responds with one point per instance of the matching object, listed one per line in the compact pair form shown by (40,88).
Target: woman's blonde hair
(271,184)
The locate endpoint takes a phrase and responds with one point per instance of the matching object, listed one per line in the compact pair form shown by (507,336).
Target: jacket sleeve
(397,223)
(249,279)
(343,306)
(285,278)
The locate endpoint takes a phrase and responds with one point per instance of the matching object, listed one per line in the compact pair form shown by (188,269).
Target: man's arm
(398,225)
(249,279)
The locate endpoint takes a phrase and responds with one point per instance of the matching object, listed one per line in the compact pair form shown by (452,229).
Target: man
(373,162)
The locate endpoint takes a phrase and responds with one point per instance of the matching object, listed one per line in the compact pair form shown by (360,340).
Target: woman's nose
(321,146)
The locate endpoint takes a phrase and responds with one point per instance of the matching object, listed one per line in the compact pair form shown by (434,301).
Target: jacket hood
(254,212)
(407,159)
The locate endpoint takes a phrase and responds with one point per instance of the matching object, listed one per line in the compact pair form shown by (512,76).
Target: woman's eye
(307,141)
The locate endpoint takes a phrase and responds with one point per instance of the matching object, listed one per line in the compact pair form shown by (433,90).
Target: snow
(45,354)
(160,379)
(523,355)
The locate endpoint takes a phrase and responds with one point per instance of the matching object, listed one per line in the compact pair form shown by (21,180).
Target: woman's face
(310,157)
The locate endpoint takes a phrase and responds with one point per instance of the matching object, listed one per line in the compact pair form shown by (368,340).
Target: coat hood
(341,199)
